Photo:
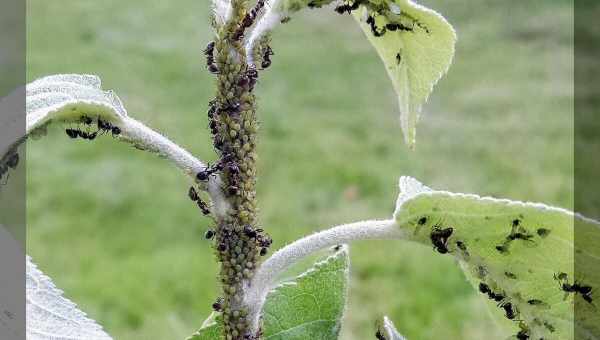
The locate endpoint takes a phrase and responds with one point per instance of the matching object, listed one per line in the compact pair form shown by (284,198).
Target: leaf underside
(516,249)
(309,307)
(50,316)
(415,55)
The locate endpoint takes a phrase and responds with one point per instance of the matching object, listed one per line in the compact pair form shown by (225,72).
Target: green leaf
(516,249)
(310,306)
(211,329)
(416,55)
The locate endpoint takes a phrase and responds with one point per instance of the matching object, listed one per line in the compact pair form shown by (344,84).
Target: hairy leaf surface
(310,306)
(50,316)
(416,46)
(517,250)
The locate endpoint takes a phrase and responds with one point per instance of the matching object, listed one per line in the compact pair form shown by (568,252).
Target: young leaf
(51,316)
(309,307)
(520,256)
(416,45)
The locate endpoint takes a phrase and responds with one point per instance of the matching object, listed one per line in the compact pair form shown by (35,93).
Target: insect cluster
(102,127)
(237,239)
(11,161)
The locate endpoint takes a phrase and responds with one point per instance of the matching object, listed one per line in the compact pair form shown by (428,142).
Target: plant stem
(268,272)
(234,125)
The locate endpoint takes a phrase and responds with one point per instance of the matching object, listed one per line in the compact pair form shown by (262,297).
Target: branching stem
(267,274)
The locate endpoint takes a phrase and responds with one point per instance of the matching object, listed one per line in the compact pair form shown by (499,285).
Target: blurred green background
(113,227)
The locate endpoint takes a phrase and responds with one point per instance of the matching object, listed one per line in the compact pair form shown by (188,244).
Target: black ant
(106,126)
(510,275)
(209,234)
(439,239)
(346,8)
(249,231)
(510,311)
(394,27)
(576,287)
(266,58)
(485,289)
(74,133)
(398,58)
(374,29)
(210,58)
(461,245)
(203,207)
(543,232)
(193,194)
(248,19)
(523,335)
(379,335)
(218,305)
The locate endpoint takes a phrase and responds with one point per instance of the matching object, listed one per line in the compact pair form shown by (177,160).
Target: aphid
(249,231)
(543,232)
(86,120)
(252,76)
(209,234)
(516,222)
(549,326)
(203,207)
(92,135)
(193,195)
(376,32)
(439,239)
(502,248)
(510,275)
(509,311)
(461,245)
(484,288)
(422,220)
(222,247)
(535,302)
(218,305)
(263,251)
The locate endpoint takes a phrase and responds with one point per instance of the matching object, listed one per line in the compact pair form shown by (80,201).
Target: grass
(113,227)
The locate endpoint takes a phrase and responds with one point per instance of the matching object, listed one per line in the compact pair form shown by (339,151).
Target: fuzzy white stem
(145,138)
(269,271)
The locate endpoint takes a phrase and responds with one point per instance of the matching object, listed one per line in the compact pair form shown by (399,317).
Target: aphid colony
(102,127)
(11,162)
